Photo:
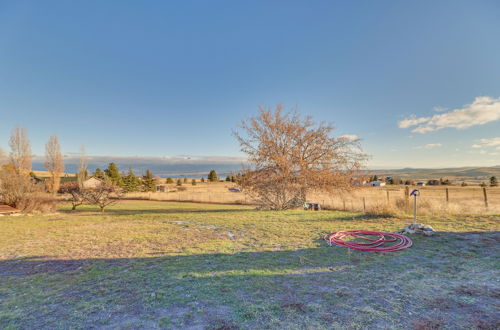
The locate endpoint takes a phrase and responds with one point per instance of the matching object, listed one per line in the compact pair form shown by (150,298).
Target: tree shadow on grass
(121,211)
(308,216)
(254,289)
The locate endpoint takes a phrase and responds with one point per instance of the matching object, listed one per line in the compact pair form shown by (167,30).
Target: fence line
(459,200)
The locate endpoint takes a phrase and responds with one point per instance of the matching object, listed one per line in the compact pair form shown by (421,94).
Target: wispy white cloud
(412,121)
(351,137)
(493,142)
(429,146)
(439,109)
(481,111)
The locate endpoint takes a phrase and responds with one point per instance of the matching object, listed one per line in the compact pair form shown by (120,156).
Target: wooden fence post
(388,200)
(344,203)
(407,198)
(447,196)
(485,197)
(364,205)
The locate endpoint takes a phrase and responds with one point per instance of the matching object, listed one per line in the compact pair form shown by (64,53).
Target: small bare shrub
(104,195)
(37,202)
(20,191)
(77,194)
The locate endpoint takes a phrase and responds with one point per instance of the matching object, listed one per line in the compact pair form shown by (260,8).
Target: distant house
(377,184)
(421,183)
(162,188)
(92,183)
(433,182)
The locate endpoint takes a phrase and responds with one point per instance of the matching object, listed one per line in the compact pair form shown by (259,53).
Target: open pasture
(150,264)
(388,200)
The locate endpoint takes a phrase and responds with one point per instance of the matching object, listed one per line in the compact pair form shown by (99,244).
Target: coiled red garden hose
(376,240)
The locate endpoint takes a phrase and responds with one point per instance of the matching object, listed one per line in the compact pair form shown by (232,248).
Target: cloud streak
(481,111)
(484,143)
(428,146)
(350,137)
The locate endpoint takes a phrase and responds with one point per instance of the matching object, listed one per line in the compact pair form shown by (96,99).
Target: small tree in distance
(75,191)
(292,156)
(170,180)
(149,181)
(179,182)
(493,181)
(193,182)
(113,174)
(54,164)
(103,195)
(20,154)
(131,183)
(99,174)
(212,176)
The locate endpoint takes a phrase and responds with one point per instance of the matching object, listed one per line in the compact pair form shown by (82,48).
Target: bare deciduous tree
(82,168)
(103,195)
(20,155)
(75,191)
(2,157)
(292,156)
(54,163)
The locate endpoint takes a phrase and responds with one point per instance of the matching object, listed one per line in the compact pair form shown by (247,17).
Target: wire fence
(376,200)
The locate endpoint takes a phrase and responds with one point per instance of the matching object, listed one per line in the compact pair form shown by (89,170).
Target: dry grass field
(169,265)
(387,200)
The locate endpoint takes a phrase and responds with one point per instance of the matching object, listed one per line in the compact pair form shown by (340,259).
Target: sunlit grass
(161,264)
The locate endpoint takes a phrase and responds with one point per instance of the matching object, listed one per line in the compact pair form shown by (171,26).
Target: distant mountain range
(181,166)
(199,166)
(475,173)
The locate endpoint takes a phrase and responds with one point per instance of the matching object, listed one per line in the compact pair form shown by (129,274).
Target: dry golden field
(378,200)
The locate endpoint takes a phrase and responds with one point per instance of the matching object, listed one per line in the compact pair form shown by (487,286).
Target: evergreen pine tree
(233,179)
(179,182)
(99,174)
(114,174)
(185,180)
(202,179)
(149,181)
(170,180)
(131,183)
(193,182)
(228,179)
(212,176)
(493,181)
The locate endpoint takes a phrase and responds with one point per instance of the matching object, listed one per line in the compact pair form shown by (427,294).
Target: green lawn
(147,264)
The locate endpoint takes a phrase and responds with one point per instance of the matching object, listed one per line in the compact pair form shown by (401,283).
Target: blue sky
(169,78)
